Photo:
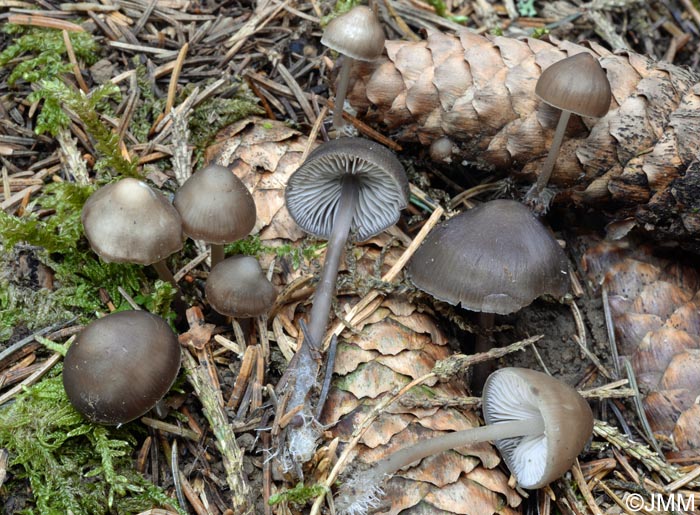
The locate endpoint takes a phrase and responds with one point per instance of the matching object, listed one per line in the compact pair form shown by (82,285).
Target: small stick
(175,471)
(170,428)
(36,20)
(583,488)
(47,365)
(74,62)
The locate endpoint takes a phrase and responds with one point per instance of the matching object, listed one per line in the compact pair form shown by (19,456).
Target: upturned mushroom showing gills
(350,187)
(356,34)
(578,85)
(128,222)
(120,366)
(539,424)
(215,207)
(238,287)
(495,258)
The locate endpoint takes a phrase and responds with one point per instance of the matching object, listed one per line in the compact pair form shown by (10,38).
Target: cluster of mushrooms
(495,258)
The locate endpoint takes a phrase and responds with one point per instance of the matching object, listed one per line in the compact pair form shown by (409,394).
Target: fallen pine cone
(478,92)
(655,305)
(396,343)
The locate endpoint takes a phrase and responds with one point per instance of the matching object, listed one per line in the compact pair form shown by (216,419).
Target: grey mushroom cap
(577,84)
(515,394)
(215,206)
(238,287)
(313,191)
(357,33)
(495,258)
(129,222)
(120,366)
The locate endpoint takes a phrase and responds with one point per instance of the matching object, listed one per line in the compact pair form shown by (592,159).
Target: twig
(232,456)
(175,470)
(47,365)
(74,62)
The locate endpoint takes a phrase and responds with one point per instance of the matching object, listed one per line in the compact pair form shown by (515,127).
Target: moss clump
(253,246)
(299,495)
(42,54)
(71,464)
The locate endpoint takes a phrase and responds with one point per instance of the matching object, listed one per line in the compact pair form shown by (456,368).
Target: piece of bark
(639,161)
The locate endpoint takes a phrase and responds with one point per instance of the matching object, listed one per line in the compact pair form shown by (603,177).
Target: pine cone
(395,344)
(655,305)
(641,159)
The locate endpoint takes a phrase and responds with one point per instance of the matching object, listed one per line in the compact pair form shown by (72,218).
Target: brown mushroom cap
(215,206)
(128,222)
(512,394)
(357,33)
(120,366)
(577,84)
(238,287)
(495,258)
(313,191)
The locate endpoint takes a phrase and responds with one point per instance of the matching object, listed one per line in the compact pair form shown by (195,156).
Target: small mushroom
(120,366)
(495,258)
(238,287)
(215,207)
(350,187)
(357,34)
(578,85)
(128,222)
(539,424)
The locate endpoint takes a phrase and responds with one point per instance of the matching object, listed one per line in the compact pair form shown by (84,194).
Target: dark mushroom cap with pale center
(120,366)
(128,222)
(515,394)
(577,84)
(495,258)
(238,287)
(215,206)
(313,191)
(357,33)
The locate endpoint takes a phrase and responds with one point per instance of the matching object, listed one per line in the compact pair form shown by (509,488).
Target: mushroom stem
(165,274)
(336,245)
(548,167)
(432,446)
(343,81)
(217,254)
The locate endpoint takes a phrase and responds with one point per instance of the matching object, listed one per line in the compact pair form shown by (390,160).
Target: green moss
(149,107)
(71,464)
(299,495)
(39,53)
(253,246)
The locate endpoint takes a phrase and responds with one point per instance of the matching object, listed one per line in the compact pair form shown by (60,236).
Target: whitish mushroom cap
(128,222)
(577,84)
(357,33)
(313,191)
(238,287)
(495,258)
(517,394)
(215,206)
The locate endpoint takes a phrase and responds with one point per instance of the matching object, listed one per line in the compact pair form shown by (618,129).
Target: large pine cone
(640,160)
(655,304)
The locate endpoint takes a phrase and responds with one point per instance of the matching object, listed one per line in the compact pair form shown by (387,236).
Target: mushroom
(357,34)
(538,423)
(128,222)
(494,259)
(120,366)
(350,187)
(576,84)
(216,207)
(238,287)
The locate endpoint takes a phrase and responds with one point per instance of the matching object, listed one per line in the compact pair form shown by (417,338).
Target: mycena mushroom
(356,34)
(120,366)
(351,187)
(577,85)
(539,424)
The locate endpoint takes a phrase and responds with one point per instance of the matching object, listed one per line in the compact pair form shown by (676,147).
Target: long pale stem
(217,254)
(165,274)
(431,446)
(343,81)
(325,289)
(548,167)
